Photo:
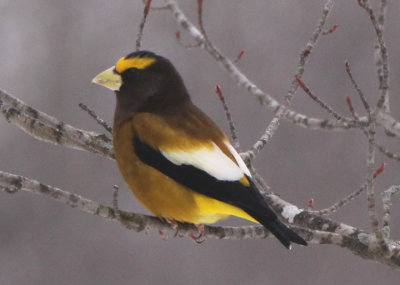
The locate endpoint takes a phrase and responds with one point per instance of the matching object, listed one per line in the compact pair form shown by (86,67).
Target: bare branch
(133,221)
(155,8)
(340,204)
(388,122)
(187,46)
(115,202)
(263,140)
(388,153)
(241,79)
(141,26)
(383,118)
(228,117)
(351,108)
(239,56)
(331,30)
(323,105)
(200,20)
(315,228)
(370,185)
(358,89)
(379,147)
(382,54)
(280,113)
(386,197)
(355,240)
(346,200)
(46,128)
(93,114)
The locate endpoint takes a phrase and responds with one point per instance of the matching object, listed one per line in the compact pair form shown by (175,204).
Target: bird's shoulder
(188,136)
(183,126)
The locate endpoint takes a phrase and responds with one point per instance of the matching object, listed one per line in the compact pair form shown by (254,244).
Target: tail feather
(268,219)
(283,233)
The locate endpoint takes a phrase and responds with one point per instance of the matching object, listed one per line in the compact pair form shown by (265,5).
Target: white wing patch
(238,159)
(211,160)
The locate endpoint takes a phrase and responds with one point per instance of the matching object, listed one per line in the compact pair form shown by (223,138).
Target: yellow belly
(160,194)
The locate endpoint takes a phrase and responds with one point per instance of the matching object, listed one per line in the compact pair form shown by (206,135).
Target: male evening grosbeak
(174,158)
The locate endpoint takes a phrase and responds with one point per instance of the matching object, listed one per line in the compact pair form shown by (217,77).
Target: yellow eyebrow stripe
(133,62)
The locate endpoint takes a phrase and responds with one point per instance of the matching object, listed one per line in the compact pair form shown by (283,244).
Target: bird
(177,162)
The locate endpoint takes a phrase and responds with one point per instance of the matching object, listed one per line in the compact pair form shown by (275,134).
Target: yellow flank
(161,195)
(213,210)
(133,62)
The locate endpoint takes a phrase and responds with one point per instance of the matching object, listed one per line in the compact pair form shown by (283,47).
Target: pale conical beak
(109,79)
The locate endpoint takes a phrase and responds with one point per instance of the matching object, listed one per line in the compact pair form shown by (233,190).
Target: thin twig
(263,140)
(370,184)
(323,105)
(346,200)
(382,58)
(99,120)
(200,21)
(115,202)
(383,150)
(156,8)
(358,89)
(351,108)
(239,56)
(228,116)
(388,154)
(310,204)
(382,14)
(281,111)
(379,60)
(340,204)
(371,129)
(141,25)
(383,118)
(187,46)
(265,99)
(331,30)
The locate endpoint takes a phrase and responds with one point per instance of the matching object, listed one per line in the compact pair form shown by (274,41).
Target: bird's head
(143,81)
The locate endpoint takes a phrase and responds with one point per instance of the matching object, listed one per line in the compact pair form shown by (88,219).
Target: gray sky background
(50,51)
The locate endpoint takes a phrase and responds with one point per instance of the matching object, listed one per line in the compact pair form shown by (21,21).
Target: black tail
(257,207)
(266,216)
(282,232)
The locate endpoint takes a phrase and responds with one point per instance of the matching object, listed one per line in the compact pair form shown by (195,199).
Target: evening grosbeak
(174,158)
